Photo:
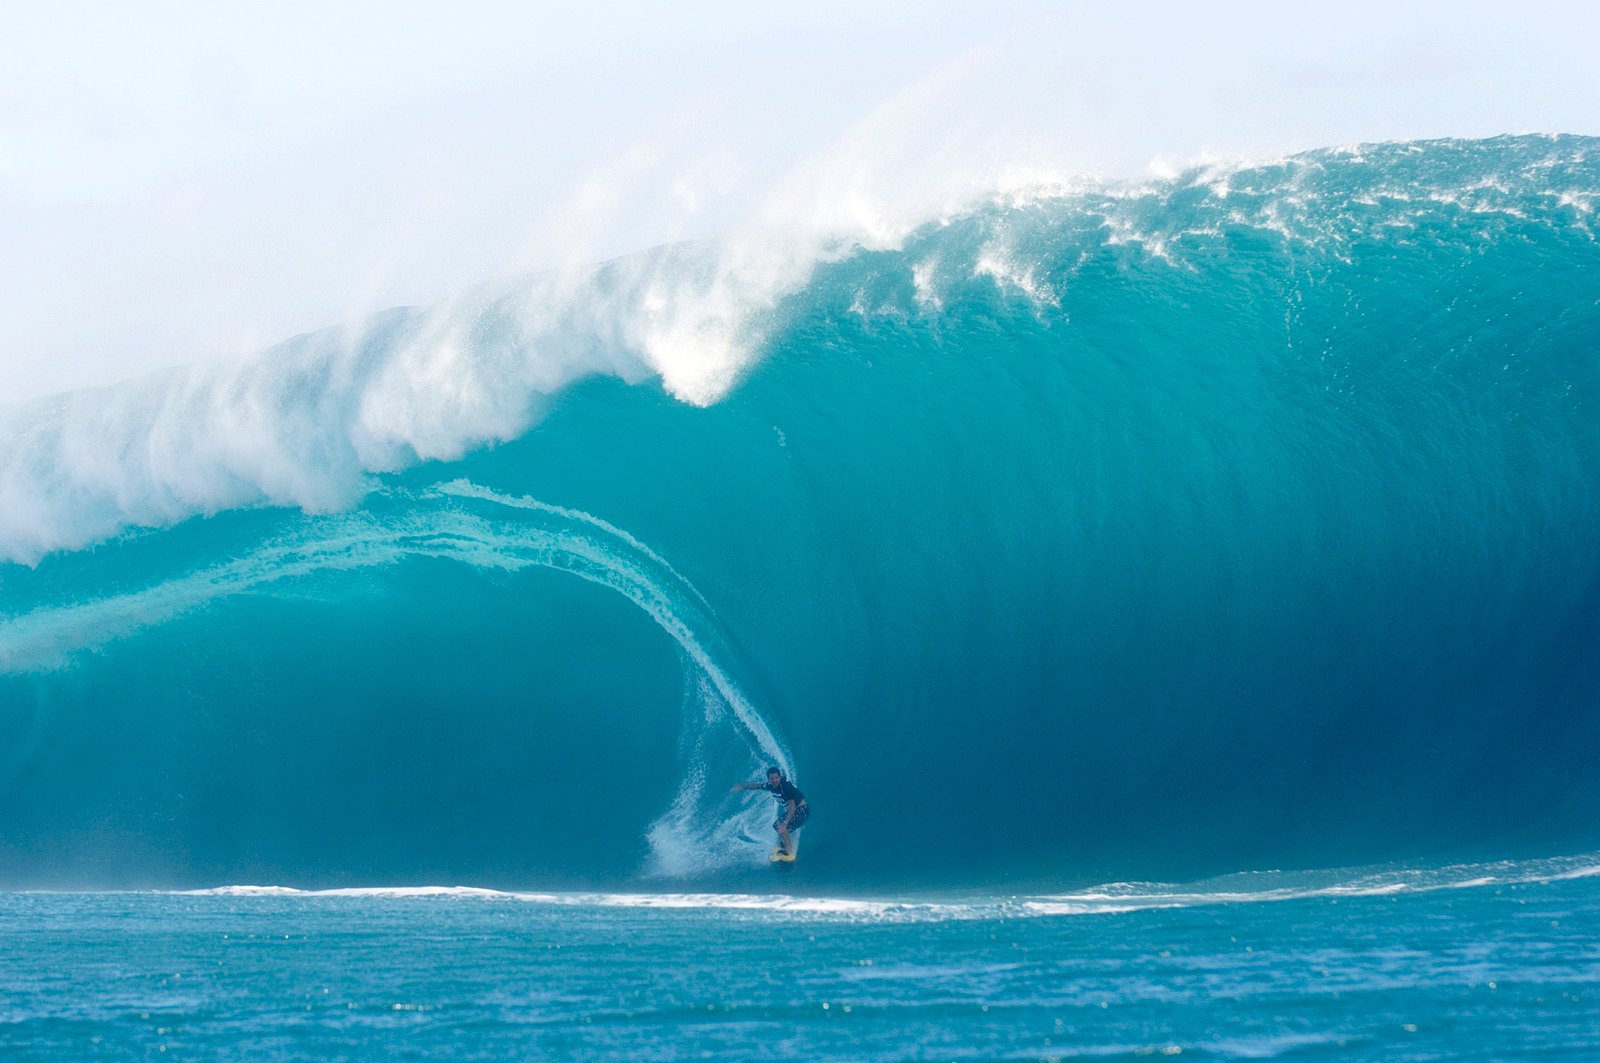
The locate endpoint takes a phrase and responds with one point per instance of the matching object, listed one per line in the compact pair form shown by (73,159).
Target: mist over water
(1082,531)
(184,188)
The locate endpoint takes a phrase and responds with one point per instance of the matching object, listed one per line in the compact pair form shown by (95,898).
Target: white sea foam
(1002,265)
(1109,899)
(303,424)
(46,638)
(308,423)
(468,489)
(841,906)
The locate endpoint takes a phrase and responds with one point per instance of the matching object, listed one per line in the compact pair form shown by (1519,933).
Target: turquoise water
(1387,969)
(1087,533)
(1243,519)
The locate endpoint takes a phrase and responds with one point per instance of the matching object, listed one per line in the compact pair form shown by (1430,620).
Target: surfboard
(778,856)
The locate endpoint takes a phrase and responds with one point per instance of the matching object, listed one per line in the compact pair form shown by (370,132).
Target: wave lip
(307,423)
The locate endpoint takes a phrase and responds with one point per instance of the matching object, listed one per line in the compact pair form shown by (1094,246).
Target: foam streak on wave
(696,833)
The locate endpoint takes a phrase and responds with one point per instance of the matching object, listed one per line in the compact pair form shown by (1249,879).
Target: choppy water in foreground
(1481,968)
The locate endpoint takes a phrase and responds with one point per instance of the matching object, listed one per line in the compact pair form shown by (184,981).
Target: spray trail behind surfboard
(724,735)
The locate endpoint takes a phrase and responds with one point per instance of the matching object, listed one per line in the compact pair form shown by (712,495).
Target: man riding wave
(793,810)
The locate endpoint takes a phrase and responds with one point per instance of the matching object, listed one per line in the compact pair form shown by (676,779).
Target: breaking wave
(1088,531)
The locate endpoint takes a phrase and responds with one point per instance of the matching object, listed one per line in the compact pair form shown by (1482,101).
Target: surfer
(791,802)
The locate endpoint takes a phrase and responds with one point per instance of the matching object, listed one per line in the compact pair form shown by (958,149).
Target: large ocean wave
(1088,530)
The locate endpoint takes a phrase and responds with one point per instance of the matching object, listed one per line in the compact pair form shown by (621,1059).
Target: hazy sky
(183,181)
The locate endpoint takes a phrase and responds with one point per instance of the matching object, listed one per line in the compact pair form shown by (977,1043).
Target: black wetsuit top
(785,792)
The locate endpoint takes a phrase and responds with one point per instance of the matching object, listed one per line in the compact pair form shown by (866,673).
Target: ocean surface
(1084,532)
(1498,962)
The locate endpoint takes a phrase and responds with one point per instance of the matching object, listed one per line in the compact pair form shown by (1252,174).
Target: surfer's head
(774,775)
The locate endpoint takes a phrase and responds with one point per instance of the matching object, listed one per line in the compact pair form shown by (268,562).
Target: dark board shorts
(802,812)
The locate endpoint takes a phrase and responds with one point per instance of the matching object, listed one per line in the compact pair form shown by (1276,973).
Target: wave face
(1243,519)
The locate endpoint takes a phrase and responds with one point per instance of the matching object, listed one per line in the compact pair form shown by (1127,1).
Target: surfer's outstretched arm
(746,786)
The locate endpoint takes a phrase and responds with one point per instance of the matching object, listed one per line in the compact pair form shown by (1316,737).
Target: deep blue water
(1386,967)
